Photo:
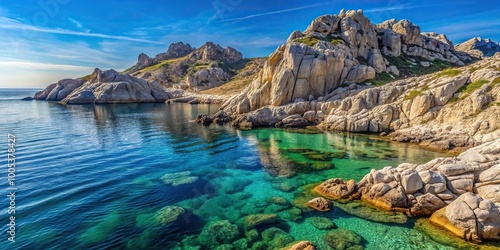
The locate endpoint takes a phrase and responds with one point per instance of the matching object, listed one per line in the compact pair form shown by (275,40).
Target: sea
(116,176)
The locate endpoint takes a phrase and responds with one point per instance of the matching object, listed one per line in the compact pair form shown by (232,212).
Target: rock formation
(450,110)
(104,87)
(337,50)
(479,47)
(175,50)
(461,193)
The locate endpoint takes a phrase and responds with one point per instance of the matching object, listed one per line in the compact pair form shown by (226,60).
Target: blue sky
(47,40)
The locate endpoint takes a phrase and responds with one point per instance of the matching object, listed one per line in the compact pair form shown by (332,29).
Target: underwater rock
(336,189)
(241,244)
(365,211)
(280,201)
(285,186)
(321,223)
(252,235)
(303,245)
(168,214)
(218,232)
(276,238)
(320,204)
(180,178)
(343,239)
(254,220)
(293,214)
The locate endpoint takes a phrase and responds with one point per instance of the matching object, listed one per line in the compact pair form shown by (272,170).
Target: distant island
(344,73)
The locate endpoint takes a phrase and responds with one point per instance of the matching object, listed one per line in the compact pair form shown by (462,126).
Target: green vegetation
(469,88)
(381,79)
(448,73)
(337,41)
(495,82)
(163,64)
(414,68)
(453,100)
(415,93)
(309,41)
(87,77)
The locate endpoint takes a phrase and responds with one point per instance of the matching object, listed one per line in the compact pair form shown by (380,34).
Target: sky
(43,41)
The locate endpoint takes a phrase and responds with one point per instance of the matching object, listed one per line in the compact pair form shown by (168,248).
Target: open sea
(115,177)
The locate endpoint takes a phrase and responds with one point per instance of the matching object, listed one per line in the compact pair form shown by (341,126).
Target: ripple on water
(90,178)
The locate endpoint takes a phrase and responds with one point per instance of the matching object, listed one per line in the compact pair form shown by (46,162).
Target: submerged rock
(276,238)
(180,178)
(218,232)
(254,220)
(320,204)
(321,222)
(343,239)
(168,214)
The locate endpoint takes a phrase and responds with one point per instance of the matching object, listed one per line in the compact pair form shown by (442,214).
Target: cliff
(344,49)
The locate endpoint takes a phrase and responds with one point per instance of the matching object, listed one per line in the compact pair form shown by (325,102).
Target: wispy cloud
(7,23)
(44,66)
(274,12)
(411,6)
(76,23)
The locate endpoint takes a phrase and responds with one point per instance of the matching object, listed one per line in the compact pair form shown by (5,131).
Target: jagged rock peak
(479,47)
(214,52)
(175,50)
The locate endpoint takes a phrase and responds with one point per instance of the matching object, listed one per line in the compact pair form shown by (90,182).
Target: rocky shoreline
(461,194)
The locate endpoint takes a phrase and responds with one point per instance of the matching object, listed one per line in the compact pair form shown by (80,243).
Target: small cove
(95,177)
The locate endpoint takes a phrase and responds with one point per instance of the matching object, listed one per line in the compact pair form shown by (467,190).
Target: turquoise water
(96,177)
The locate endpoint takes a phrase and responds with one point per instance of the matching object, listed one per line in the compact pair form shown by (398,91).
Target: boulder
(336,188)
(168,214)
(471,217)
(179,178)
(218,232)
(203,119)
(294,121)
(343,239)
(321,223)
(303,245)
(426,205)
(320,204)
(411,181)
(254,220)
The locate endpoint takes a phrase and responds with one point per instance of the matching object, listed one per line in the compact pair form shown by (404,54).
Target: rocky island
(344,73)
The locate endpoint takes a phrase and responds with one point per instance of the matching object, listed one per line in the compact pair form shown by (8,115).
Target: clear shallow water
(89,177)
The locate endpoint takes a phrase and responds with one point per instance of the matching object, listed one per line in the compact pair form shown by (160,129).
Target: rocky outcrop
(479,47)
(451,110)
(175,50)
(461,193)
(112,87)
(214,52)
(470,217)
(60,90)
(337,50)
(207,78)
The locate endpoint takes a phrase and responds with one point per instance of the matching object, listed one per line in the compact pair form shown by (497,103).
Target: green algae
(102,230)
